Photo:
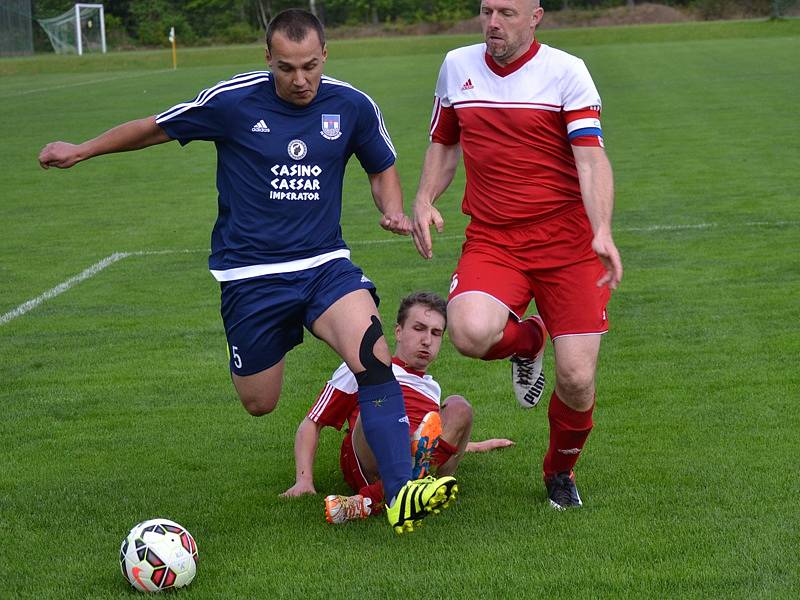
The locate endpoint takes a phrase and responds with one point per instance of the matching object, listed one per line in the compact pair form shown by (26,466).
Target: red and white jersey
(338,400)
(516,125)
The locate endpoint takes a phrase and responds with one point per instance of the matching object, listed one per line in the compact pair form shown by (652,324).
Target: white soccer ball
(158,555)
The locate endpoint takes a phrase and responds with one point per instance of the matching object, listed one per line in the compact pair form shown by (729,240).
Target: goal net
(80,29)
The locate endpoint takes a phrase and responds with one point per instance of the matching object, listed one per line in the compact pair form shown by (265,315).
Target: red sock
(442,453)
(374,491)
(568,432)
(523,338)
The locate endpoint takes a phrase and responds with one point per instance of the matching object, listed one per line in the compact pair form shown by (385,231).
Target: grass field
(117,405)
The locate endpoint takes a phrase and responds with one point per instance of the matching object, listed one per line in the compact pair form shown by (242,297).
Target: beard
(500,50)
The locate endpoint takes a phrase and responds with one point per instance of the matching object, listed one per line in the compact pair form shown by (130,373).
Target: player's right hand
(396,223)
(425,215)
(607,252)
(298,489)
(61,155)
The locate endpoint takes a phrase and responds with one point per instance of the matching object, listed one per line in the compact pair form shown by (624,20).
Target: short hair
(430,300)
(295,24)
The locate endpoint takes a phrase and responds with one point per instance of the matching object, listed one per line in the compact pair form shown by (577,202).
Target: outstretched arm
(388,198)
(438,170)
(132,135)
(487,445)
(597,188)
(305,449)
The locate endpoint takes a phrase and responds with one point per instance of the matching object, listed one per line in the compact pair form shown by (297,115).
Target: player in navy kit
(283,139)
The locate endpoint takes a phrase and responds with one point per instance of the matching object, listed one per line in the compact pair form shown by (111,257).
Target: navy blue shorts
(264,316)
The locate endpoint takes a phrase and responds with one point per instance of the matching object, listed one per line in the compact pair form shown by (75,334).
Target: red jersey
(516,125)
(338,400)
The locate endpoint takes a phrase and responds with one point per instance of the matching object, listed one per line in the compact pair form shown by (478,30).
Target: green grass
(117,406)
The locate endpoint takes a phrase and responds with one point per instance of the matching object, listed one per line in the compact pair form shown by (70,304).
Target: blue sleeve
(373,146)
(203,118)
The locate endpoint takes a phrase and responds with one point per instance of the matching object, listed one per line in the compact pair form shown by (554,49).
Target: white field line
(82,276)
(708,226)
(62,287)
(117,256)
(80,83)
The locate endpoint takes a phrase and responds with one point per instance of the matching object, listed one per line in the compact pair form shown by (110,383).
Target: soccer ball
(158,555)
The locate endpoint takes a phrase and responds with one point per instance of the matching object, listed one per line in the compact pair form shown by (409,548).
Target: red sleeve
(333,407)
(444,124)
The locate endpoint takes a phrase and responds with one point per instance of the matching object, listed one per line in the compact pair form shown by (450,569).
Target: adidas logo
(467,85)
(260,127)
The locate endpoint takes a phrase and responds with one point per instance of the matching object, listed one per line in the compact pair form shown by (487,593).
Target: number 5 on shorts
(237,360)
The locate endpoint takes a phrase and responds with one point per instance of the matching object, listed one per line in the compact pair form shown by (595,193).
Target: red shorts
(551,262)
(348,462)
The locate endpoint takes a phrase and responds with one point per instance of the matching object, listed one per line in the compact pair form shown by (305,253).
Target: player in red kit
(540,198)
(441,433)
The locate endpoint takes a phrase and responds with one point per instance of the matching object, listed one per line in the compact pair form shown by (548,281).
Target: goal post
(79,25)
(79,30)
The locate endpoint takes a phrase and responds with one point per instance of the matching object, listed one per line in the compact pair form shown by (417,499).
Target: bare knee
(475,323)
(259,392)
(458,411)
(457,421)
(470,335)
(575,387)
(576,360)
(258,399)
(258,405)
(456,430)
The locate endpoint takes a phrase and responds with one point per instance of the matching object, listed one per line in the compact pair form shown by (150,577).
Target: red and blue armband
(583,127)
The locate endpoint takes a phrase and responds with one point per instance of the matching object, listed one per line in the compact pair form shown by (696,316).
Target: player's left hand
(607,252)
(488,445)
(397,223)
(425,215)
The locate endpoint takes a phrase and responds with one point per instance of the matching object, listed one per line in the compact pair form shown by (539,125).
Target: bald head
(509,27)
(527,6)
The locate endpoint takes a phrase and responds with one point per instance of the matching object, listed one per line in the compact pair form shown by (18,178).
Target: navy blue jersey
(280,169)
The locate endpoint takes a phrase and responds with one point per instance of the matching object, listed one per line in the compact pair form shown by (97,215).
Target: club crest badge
(297,149)
(331,126)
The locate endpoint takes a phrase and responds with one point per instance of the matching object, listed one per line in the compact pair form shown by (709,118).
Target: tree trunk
(264,14)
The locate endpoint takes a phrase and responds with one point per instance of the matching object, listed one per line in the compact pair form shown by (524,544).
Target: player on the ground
(441,435)
(540,197)
(283,138)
